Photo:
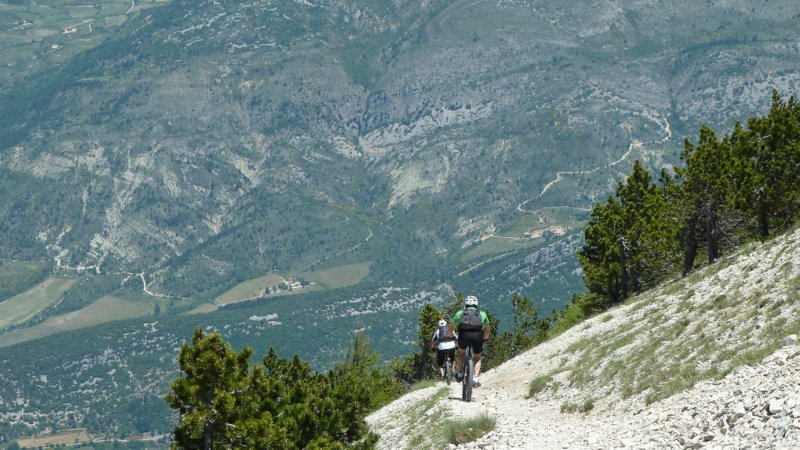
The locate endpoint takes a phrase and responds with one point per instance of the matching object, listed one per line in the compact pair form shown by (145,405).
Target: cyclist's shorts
(474,337)
(440,355)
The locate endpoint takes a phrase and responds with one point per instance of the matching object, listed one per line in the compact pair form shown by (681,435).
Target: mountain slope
(164,154)
(680,366)
(198,144)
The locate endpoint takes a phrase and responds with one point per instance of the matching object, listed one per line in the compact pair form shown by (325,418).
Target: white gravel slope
(742,303)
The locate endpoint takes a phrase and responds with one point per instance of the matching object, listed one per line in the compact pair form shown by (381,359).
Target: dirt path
(634,145)
(674,334)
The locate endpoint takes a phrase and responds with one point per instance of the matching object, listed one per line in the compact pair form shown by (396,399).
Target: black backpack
(445,334)
(470,320)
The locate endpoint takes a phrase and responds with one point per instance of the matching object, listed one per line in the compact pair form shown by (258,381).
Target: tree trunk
(763,223)
(690,249)
(712,234)
(624,266)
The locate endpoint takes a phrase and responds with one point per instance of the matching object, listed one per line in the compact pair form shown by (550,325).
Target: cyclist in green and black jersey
(473,329)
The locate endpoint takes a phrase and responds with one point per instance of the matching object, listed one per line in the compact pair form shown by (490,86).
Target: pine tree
(207,396)
(225,404)
(768,158)
(706,184)
(635,196)
(603,254)
(631,241)
(528,330)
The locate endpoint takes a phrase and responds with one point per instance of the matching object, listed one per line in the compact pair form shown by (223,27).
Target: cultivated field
(339,276)
(249,289)
(68,437)
(26,305)
(106,309)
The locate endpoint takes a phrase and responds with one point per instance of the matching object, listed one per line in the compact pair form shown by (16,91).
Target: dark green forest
(729,190)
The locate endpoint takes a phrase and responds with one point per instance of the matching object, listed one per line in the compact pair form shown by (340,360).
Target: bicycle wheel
(448,374)
(468,379)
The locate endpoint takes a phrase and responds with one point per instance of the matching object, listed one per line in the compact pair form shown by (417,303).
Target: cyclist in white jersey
(444,339)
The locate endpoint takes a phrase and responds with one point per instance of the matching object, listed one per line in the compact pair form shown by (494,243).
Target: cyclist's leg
(440,354)
(478,348)
(462,346)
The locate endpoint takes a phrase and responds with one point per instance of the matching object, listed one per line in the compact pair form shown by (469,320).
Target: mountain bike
(469,375)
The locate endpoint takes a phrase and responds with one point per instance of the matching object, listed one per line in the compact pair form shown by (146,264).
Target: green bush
(223,401)
(538,384)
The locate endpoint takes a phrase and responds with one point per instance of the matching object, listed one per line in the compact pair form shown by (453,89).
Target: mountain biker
(445,342)
(473,329)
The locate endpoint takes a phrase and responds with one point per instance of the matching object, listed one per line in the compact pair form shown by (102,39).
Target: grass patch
(665,381)
(672,287)
(569,407)
(680,326)
(470,430)
(793,296)
(637,305)
(424,384)
(106,309)
(250,289)
(24,306)
(776,330)
(722,302)
(339,276)
(657,319)
(417,412)
(583,372)
(18,276)
(538,384)
(583,344)
(429,428)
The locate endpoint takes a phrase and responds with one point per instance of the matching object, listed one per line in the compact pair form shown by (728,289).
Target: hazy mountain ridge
(196,112)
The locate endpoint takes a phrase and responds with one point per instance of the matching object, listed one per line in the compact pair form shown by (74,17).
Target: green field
(339,276)
(249,289)
(24,306)
(106,309)
(331,278)
(204,308)
(527,232)
(18,276)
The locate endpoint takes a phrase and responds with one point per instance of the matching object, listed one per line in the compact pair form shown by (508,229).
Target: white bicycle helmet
(471,300)
(442,323)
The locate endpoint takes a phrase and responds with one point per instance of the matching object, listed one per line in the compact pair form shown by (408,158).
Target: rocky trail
(706,362)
